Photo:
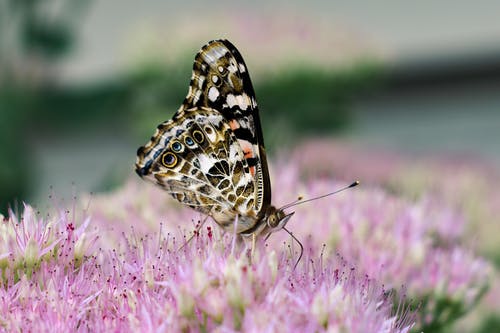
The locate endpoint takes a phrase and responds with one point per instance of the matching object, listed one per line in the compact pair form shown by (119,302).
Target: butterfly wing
(211,155)
(220,81)
(197,158)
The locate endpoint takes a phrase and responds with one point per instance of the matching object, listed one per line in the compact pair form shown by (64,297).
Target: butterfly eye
(169,160)
(176,146)
(189,142)
(273,221)
(198,136)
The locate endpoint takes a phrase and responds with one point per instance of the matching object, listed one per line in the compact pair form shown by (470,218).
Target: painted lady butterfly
(210,155)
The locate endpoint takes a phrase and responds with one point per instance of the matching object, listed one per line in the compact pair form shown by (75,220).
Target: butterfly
(210,156)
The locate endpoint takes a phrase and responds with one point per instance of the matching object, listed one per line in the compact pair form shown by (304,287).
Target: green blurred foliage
(34,34)
(445,314)
(310,101)
(490,324)
(15,161)
(45,27)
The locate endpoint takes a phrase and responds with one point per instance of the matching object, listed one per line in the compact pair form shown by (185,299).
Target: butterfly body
(210,156)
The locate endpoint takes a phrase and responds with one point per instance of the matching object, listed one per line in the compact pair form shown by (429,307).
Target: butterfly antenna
(300,202)
(300,244)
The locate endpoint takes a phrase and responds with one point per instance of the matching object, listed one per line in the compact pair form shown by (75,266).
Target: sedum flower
(461,185)
(416,244)
(142,274)
(148,284)
(29,241)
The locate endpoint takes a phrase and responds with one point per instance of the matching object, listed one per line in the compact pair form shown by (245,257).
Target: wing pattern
(210,155)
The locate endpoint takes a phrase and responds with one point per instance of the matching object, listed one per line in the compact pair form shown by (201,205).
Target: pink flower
(27,242)
(394,241)
(361,247)
(148,284)
(415,244)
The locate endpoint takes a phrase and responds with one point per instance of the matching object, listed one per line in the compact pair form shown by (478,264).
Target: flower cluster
(153,283)
(455,191)
(128,264)
(29,242)
(399,243)
(457,183)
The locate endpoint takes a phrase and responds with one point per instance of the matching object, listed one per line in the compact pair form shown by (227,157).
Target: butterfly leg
(252,251)
(235,235)
(250,246)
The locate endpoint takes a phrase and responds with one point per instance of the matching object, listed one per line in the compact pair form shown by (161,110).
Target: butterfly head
(276,219)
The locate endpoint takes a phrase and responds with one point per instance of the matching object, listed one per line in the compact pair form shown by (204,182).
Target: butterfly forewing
(220,80)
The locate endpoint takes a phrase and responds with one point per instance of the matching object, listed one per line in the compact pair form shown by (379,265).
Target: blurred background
(84,83)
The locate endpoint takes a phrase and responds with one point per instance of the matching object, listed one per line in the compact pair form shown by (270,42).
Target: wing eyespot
(169,160)
(198,136)
(177,146)
(189,141)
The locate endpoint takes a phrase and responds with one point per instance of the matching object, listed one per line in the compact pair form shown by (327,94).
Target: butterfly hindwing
(198,160)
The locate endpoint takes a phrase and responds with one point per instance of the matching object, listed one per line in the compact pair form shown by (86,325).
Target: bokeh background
(84,83)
